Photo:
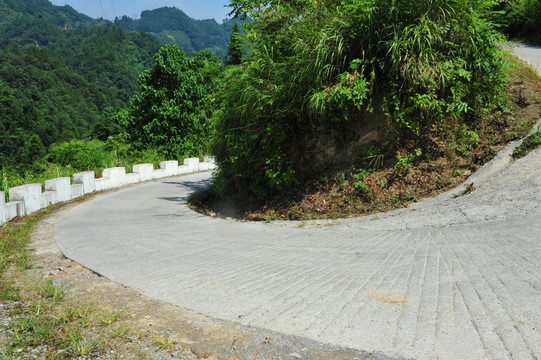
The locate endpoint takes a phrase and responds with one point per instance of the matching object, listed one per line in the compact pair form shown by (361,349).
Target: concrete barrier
(48,198)
(2,207)
(144,171)
(62,187)
(116,176)
(29,198)
(170,167)
(87,179)
(101,184)
(192,163)
(77,191)
(30,194)
(14,209)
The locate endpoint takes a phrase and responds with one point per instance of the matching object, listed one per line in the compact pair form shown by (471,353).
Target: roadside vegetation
(42,319)
(519,19)
(344,108)
(35,322)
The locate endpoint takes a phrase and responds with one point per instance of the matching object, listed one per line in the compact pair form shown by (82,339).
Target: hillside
(60,73)
(42,100)
(173,26)
(63,16)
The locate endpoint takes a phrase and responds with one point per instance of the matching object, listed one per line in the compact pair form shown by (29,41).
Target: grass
(529,144)
(40,321)
(165,342)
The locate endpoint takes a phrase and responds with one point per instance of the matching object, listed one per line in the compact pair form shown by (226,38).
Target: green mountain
(173,26)
(63,16)
(42,100)
(63,73)
(60,73)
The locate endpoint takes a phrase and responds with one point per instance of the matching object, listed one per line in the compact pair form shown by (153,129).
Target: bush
(323,69)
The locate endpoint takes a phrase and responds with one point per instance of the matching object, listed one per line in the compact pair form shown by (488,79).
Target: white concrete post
(116,176)
(87,179)
(192,163)
(2,207)
(77,190)
(144,171)
(62,187)
(30,194)
(170,167)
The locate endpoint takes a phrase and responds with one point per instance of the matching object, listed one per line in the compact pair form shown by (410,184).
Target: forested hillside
(42,100)
(520,19)
(63,74)
(63,16)
(173,26)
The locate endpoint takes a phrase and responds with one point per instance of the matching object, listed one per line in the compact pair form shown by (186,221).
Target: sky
(108,9)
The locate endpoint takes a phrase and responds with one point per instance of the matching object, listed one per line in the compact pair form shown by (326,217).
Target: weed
(52,292)
(529,144)
(467,190)
(119,332)
(359,178)
(108,318)
(165,342)
(80,344)
(403,164)
(69,314)
(374,157)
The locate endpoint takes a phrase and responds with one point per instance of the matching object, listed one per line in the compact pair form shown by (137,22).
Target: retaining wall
(29,198)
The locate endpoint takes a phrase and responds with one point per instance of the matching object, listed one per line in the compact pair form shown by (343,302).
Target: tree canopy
(235,49)
(173,109)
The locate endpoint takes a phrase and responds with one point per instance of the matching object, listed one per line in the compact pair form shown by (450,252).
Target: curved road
(448,278)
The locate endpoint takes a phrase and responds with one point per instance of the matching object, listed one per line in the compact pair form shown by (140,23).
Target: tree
(172,109)
(235,49)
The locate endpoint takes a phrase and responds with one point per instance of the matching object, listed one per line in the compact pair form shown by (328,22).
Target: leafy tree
(235,49)
(520,19)
(173,107)
(320,69)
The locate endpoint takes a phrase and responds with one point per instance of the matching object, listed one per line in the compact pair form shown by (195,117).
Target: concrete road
(448,278)
(529,53)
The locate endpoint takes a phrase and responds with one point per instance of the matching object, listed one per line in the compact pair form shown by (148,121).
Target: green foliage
(235,49)
(174,107)
(83,154)
(41,101)
(322,67)
(359,178)
(60,74)
(172,26)
(520,19)
(529,144)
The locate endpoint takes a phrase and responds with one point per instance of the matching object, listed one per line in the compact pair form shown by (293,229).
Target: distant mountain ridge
(172,26)
(63,16)
(169,25)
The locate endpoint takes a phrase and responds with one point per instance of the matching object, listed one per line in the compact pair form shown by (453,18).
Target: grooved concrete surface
(448,278)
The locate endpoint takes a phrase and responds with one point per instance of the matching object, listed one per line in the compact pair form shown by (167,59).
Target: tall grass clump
(326,69)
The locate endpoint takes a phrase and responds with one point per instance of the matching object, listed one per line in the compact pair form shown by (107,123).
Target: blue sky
(197,9)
